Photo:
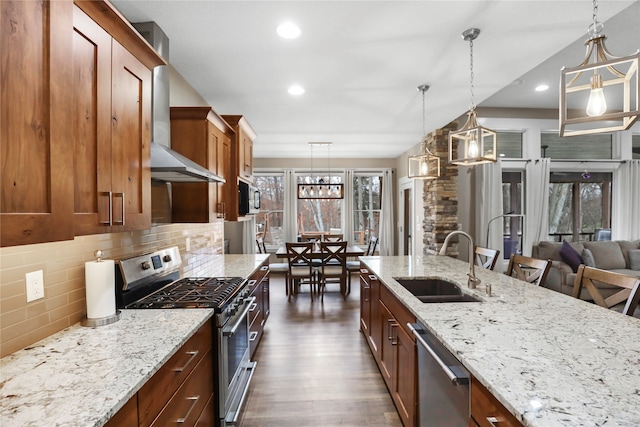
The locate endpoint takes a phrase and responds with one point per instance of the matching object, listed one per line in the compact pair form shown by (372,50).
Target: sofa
(620,256)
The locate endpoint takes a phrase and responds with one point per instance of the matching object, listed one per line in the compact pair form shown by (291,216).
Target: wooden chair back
(334,254)
(373,243)
(531,270)
(629,288)
(309,237)
(332,237)
(262,248)
(490,257)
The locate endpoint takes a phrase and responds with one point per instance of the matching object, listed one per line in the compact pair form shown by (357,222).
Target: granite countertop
(82,376)
(550,359)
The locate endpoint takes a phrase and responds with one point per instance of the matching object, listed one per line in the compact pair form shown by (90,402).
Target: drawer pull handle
(252,282)
(493,421)
(264,268)
(253,336)
(193,356)
(253,306)
(193,404)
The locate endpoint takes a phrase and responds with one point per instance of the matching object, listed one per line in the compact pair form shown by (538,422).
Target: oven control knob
(233,309)
(146,265)
(166,258)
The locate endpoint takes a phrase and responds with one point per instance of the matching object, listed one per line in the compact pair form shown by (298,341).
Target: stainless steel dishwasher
(443,383)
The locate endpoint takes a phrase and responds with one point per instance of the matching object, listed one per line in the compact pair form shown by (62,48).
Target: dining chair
(624,301)
(332,237)
(529,269)
(490,257)
(301,271)
(334,266)
(275,267)
(354,266)
(310,237)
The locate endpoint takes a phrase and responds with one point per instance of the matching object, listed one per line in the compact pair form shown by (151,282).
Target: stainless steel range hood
(167,165)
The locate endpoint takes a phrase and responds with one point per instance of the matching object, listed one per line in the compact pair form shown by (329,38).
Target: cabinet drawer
(402,315)
(190,400)
(127,416)
(487,411)
(159,389)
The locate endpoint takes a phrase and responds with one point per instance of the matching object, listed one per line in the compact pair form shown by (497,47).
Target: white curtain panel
(290,215)
(347,226)
(249,236)
(490,206)
(625,218)
(536,224)
(386,216)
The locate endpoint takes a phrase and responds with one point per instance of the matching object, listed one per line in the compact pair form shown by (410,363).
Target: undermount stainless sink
(431,290)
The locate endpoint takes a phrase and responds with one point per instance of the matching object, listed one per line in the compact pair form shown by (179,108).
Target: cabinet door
(36,141)
(365,306)
(404,391)
(387,348)
(91,125)
(377,327)
(246,157)
(130,139)
(127,416)
(224,167)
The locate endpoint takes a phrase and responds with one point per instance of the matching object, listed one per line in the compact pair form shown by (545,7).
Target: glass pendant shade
(472,144)
(424,166)
(601,94)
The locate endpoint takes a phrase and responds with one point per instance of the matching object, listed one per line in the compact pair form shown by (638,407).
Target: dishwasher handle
(457,378)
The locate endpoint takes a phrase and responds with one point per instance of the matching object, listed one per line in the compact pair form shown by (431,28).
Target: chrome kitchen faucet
(473,281)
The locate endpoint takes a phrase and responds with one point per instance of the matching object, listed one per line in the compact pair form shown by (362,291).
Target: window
(319,215)
(270,219)
(510,145)
(579,203)
(576,147)
(367,198)
(512,209)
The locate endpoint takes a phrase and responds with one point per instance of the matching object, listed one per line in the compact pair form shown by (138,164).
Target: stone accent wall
(440,195)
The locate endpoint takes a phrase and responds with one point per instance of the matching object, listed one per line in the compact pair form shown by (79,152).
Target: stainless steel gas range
(152,281)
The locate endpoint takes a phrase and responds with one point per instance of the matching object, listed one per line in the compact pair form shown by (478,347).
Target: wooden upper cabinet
(36,141)
(245,135)
(201,135)
(111,125)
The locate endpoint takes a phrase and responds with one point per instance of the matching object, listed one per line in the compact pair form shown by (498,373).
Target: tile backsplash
(62,263)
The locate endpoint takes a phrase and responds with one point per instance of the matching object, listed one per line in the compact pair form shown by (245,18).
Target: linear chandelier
(424,165)
(472,144)
(599,77)
(317,187)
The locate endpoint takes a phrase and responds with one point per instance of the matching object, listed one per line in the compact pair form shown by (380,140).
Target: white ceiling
(361,61)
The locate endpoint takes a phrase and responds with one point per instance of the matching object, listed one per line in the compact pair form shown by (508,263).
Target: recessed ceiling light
(542,88)
(288,30)
(295,90)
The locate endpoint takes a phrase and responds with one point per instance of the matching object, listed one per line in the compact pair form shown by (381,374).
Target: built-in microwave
(249,199)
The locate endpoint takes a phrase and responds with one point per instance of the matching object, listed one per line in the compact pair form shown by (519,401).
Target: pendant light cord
(472,106)
(596,27)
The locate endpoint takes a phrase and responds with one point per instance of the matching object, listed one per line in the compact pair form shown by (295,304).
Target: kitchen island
(82,376)
(550,359)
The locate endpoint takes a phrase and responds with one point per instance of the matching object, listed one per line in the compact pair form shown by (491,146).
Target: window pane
(576,147)
(510,144)
(581,200)
(635,146)
(512,205)
(270,218)
(367,202)
(319,215)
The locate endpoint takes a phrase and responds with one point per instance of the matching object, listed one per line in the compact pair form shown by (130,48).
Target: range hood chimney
(166,164)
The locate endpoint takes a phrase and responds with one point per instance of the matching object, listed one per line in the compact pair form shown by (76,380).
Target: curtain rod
(585,161)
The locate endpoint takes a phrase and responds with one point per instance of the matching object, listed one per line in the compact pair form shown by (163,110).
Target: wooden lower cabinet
(392,345)
(180,393)
(259,311)
(486,411)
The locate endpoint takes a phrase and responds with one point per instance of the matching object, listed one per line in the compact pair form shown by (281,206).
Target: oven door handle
(245,310)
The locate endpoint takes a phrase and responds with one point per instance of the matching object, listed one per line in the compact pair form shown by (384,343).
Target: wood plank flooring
(314,366)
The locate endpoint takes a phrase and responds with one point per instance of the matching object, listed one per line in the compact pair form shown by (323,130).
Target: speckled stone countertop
(550,359)
(82,376)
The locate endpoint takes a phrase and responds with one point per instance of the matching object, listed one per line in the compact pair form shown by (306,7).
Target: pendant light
(316,187)
(472,144)
(599,79)
(424,165)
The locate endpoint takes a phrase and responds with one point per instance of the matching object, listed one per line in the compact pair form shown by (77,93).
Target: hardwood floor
(314,366)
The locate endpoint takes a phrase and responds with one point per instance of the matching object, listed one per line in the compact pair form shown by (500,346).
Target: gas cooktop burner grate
(193,292)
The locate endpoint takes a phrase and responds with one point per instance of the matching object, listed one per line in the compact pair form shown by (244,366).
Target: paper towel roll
(100,287)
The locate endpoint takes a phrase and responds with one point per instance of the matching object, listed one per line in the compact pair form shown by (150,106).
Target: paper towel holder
(101,321)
